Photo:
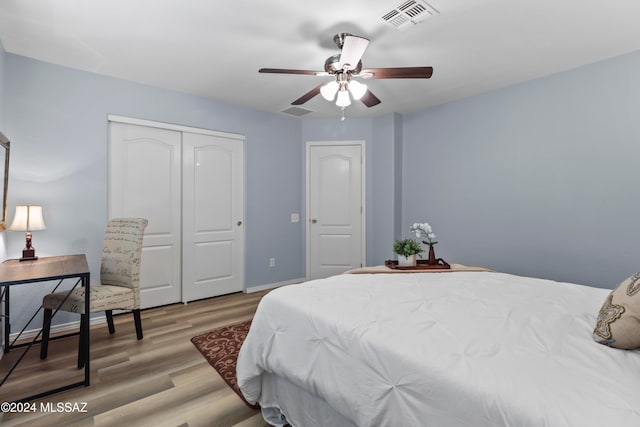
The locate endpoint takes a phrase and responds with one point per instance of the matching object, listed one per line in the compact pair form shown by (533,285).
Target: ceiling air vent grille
(396,19)
(297,111)
(413,9)
(409,13)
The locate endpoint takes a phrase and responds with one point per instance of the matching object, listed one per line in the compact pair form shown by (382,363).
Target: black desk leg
(7,325)
(85,320)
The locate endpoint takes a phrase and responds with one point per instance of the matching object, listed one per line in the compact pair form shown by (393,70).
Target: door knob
(313,221)
(239,223)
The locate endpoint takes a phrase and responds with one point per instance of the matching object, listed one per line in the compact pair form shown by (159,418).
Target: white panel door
(335,209)
(212,216)
(145,181)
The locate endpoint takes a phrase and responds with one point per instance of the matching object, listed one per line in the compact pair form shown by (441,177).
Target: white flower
(424,229)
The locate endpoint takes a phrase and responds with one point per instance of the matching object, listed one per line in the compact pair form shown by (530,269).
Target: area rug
(220,347)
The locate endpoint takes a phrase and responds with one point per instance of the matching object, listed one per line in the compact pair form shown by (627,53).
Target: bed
(461,348)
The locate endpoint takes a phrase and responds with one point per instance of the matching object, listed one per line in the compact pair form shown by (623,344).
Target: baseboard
(62,328)
(273,285)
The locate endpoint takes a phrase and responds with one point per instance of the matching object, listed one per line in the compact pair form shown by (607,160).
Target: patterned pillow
(619,318)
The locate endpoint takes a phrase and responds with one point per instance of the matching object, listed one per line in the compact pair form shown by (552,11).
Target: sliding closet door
(212,216)
(189,183)
(145,181)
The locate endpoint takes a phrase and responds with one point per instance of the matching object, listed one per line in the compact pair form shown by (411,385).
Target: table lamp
(28,218)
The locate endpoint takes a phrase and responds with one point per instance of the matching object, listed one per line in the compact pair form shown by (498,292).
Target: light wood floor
(162,380)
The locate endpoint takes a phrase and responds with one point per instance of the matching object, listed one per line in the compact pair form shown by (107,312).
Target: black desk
(14,272)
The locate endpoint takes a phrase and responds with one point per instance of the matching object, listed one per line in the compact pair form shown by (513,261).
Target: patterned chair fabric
(119,272)
(119,278)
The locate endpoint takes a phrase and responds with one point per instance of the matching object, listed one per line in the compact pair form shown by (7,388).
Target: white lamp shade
(357,89)
(343,99)
(329,90)
(28,218)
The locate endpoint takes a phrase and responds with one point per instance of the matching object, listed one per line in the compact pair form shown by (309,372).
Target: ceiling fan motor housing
(332,66)
(338,39)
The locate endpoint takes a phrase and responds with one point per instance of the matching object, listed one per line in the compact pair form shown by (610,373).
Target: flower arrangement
(407,247)
(425,229)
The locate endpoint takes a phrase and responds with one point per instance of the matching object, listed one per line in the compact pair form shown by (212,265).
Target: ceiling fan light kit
(329,90)
(343,86)
(357,89)
(343,98)
(344,67)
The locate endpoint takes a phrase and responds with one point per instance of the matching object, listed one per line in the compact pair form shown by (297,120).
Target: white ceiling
(214,49)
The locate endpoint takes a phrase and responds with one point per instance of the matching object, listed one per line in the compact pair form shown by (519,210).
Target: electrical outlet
(272,262)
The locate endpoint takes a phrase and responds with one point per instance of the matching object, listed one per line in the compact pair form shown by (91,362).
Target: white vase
(406,261)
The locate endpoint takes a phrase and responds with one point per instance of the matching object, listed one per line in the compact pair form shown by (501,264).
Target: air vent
(409,13)
(296,111)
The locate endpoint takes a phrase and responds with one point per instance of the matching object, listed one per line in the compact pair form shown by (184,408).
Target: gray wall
(2,61)
(384,217)
(536,179)
(57,122)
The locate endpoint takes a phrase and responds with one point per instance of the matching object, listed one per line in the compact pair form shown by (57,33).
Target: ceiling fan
(346,66)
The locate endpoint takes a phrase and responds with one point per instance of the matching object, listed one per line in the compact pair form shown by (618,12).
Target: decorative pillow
(619,318)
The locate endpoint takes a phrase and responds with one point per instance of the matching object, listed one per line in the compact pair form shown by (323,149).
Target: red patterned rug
(220,347)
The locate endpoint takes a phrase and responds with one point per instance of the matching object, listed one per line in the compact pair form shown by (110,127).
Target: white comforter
(444,350)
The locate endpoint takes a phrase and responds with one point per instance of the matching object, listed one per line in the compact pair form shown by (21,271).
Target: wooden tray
(421,264)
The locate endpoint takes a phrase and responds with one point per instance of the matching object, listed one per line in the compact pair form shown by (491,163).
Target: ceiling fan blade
(369,99)
(397,73)
(288,71)
(307,96)
(352,51)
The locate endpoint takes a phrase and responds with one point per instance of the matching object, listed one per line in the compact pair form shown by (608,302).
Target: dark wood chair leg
(81,354)
(46,329)
(138,322)
(109,314)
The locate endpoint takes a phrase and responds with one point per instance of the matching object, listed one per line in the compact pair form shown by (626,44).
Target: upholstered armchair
(119,287)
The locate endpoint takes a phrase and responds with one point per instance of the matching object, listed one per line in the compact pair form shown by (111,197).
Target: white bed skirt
(280,397)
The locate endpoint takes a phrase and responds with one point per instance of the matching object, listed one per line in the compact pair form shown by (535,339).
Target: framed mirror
(4,165)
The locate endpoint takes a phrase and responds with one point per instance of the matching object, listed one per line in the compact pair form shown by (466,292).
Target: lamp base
(28,255)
